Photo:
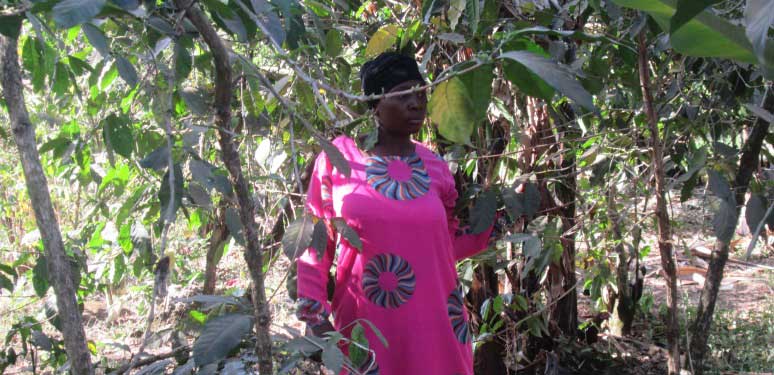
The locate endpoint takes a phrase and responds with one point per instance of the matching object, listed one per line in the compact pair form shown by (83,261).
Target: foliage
(105,78)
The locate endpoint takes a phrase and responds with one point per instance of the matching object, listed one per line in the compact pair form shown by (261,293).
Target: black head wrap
(386,71)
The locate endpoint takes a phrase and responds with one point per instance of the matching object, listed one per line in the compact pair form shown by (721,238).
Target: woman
(399,198)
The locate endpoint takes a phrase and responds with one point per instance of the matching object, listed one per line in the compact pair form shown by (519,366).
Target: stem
(662,215)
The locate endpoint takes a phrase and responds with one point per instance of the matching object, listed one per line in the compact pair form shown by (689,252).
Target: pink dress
(404,280)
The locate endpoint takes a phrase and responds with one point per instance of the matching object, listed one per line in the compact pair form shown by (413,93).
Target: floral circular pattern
(398,177)
(458,316)
(388,280)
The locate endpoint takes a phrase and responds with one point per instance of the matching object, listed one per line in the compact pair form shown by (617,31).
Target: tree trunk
(253,254)
(662,216)
(699,331)
(59,268)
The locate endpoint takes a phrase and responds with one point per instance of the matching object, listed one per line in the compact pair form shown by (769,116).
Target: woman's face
(403,114)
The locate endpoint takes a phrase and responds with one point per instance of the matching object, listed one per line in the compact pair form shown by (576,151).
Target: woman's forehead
(406,85)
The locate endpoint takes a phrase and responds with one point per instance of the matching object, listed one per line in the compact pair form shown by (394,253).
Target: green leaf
(219,337)
(40,277)
(334,156)
(348,233)
(126,71)
(183,62)
(298,237)
(319,238)
(706,35)
(482,215)
(78,66)
(6,283)
(456,7)
(165,194)
(527,82)
(382,40)
(68,13)
(719,185)
(61,80)
(333,358)
(451,108)
(333,43)
(724,222)
(200,195)
(118,134)
(479,84)
(235,25)
(97,39)
(473,13)
(358,354)
(195,100)
(554,74)
(755,211)
(8,269)
(161,25)
(759,16)
(235,226)
(157,160)
(10,26)
(687,9)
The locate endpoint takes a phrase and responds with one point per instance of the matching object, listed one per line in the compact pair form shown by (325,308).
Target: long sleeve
(465,244)
(313,305)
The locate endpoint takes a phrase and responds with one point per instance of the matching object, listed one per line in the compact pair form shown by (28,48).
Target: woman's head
(392,72)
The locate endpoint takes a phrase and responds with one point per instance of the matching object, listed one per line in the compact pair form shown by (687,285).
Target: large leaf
(456,7)
(483,213)
(220,336)
(126,71)
(157,160)
(724,222)
(118,134)
(451,108)
(755,211)
(358,347)
(319,238)
(333,358)
(334,156)
(165,194)
(479,85)
(235,226)
(719,185)
(97,39)
(348,233)
(554,74)
(705,35)
(68,13)
(298,237)
(40,277)
(382,40)
(759,16)
(687,9)
(195,100)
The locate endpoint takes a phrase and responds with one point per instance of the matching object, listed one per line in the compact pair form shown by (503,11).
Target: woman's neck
(394,144)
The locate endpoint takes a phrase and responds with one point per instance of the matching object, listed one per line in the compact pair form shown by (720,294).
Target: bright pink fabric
(420,232)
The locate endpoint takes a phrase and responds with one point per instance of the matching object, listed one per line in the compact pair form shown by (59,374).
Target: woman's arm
(313,268)
(465,244)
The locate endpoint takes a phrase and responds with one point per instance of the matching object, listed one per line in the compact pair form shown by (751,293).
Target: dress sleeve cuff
(311,311)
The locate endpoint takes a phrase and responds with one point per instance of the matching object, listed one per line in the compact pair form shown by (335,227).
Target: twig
(363,98)
(151,359)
